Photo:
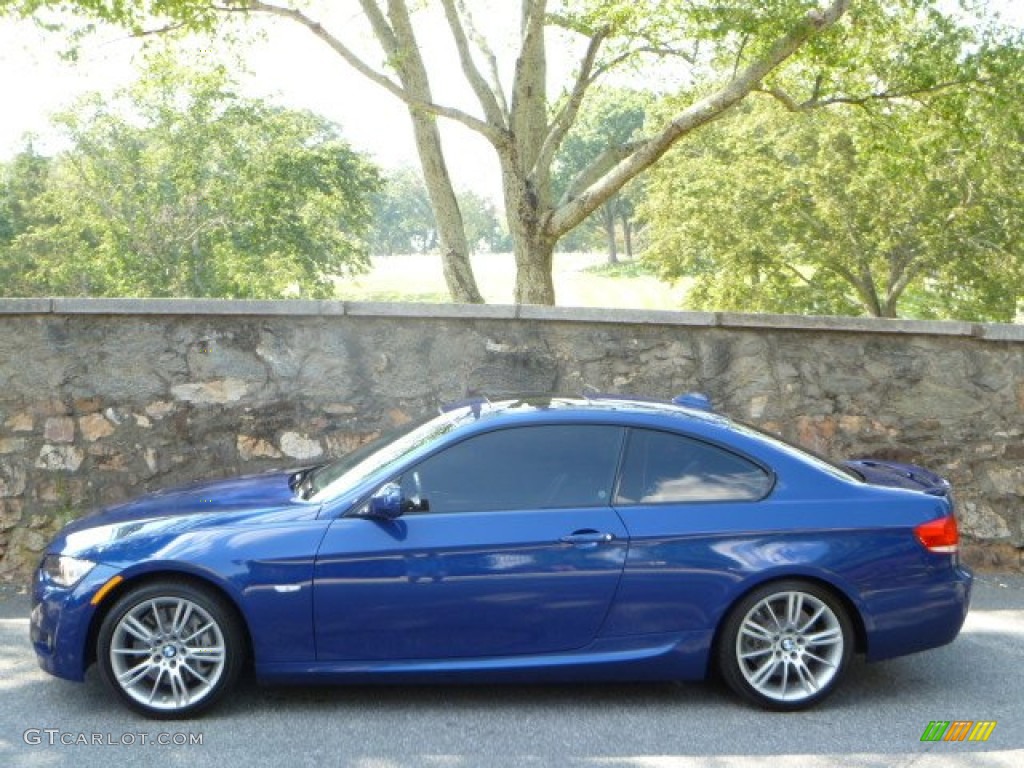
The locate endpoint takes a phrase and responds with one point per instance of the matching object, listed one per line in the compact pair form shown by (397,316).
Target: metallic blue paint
(330,596)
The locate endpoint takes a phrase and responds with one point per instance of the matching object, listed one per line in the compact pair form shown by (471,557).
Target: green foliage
(22,182)
(610,118)
(403,221)
(846,210)
(924,218)
(179,187)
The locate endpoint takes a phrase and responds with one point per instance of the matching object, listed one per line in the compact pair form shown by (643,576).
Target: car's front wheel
(785,645)
(170,649)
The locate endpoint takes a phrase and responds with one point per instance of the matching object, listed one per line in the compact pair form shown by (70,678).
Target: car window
(661,467)
(536,467)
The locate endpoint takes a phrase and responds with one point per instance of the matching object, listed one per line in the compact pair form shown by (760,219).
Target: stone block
(59,429)
(94,426)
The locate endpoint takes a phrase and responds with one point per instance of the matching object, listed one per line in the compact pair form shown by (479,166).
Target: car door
(515,549)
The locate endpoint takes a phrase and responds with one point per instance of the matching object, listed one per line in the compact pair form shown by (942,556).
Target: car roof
(532,407)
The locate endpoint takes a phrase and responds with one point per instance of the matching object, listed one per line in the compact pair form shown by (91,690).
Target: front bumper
(60,620)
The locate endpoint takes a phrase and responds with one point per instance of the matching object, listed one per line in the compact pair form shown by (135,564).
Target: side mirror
(386,504)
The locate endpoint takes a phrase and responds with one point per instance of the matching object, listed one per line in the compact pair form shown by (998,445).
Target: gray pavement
(875,719)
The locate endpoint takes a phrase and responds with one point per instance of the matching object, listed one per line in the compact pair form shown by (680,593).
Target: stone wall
(103,399)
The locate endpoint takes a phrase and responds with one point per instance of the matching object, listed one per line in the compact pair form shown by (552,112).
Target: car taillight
(940,536)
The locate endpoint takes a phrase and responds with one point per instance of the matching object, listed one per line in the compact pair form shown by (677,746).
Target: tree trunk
(608,215)
(627,236)
(533,249)
(889,307)
(534,267)
(458,272)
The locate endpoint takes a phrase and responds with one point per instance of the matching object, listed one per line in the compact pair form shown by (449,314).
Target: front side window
(540,467)
(661,467)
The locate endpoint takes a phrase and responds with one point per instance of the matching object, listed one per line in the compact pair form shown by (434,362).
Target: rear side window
(661,467)
(548,466)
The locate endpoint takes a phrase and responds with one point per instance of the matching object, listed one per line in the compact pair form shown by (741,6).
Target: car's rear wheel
(786,645)
(170,649)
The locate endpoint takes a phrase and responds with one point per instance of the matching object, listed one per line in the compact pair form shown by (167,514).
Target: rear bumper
(925,615)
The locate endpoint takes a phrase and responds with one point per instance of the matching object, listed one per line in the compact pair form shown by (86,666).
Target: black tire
(786,645)
(170,649)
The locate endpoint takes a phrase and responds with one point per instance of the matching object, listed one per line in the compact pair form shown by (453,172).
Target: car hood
(235,500)
(894,474)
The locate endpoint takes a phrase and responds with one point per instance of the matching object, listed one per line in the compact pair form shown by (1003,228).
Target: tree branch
(700,113)
(816,102)
(483,91)
(488,53)
(379,78)
(567,114)
(800,275)
(598,168)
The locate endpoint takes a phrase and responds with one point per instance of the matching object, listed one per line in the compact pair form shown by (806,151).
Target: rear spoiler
(898,475)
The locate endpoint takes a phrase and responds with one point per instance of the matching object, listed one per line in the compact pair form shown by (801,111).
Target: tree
(404,221)
(23,180)
(484,231)
(845,212)
(178,187)
(611,117)
(727,48)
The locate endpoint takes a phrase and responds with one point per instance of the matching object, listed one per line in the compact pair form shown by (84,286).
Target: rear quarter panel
(689,563)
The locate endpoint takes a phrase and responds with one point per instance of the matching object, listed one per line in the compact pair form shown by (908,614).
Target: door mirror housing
(387,503)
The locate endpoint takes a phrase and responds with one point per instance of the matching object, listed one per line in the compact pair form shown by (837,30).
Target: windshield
(331,479)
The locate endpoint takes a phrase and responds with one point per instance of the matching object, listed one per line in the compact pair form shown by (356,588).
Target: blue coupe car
(534,539)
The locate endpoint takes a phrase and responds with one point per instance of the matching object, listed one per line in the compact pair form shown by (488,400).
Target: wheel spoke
(198,632)
(195,673)
(131,651)
(805,675)
(764,672)
(178,688)
(755,653)
(785,678)
(771,612)
(155,608)
(814,617)
(794,607)
(156,684)
(135,627)
(134,675)
(209,653)
(815,657)
(756,631)
(829,636)
(182,613)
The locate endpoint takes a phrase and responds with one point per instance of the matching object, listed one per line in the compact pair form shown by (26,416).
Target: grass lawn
(581,280)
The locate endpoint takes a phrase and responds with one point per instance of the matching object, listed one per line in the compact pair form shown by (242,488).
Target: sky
(288,65)
(292,68)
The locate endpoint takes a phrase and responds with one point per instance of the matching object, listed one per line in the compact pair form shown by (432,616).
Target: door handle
(587,537)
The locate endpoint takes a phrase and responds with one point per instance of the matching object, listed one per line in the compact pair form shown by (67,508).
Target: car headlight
(66,571)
